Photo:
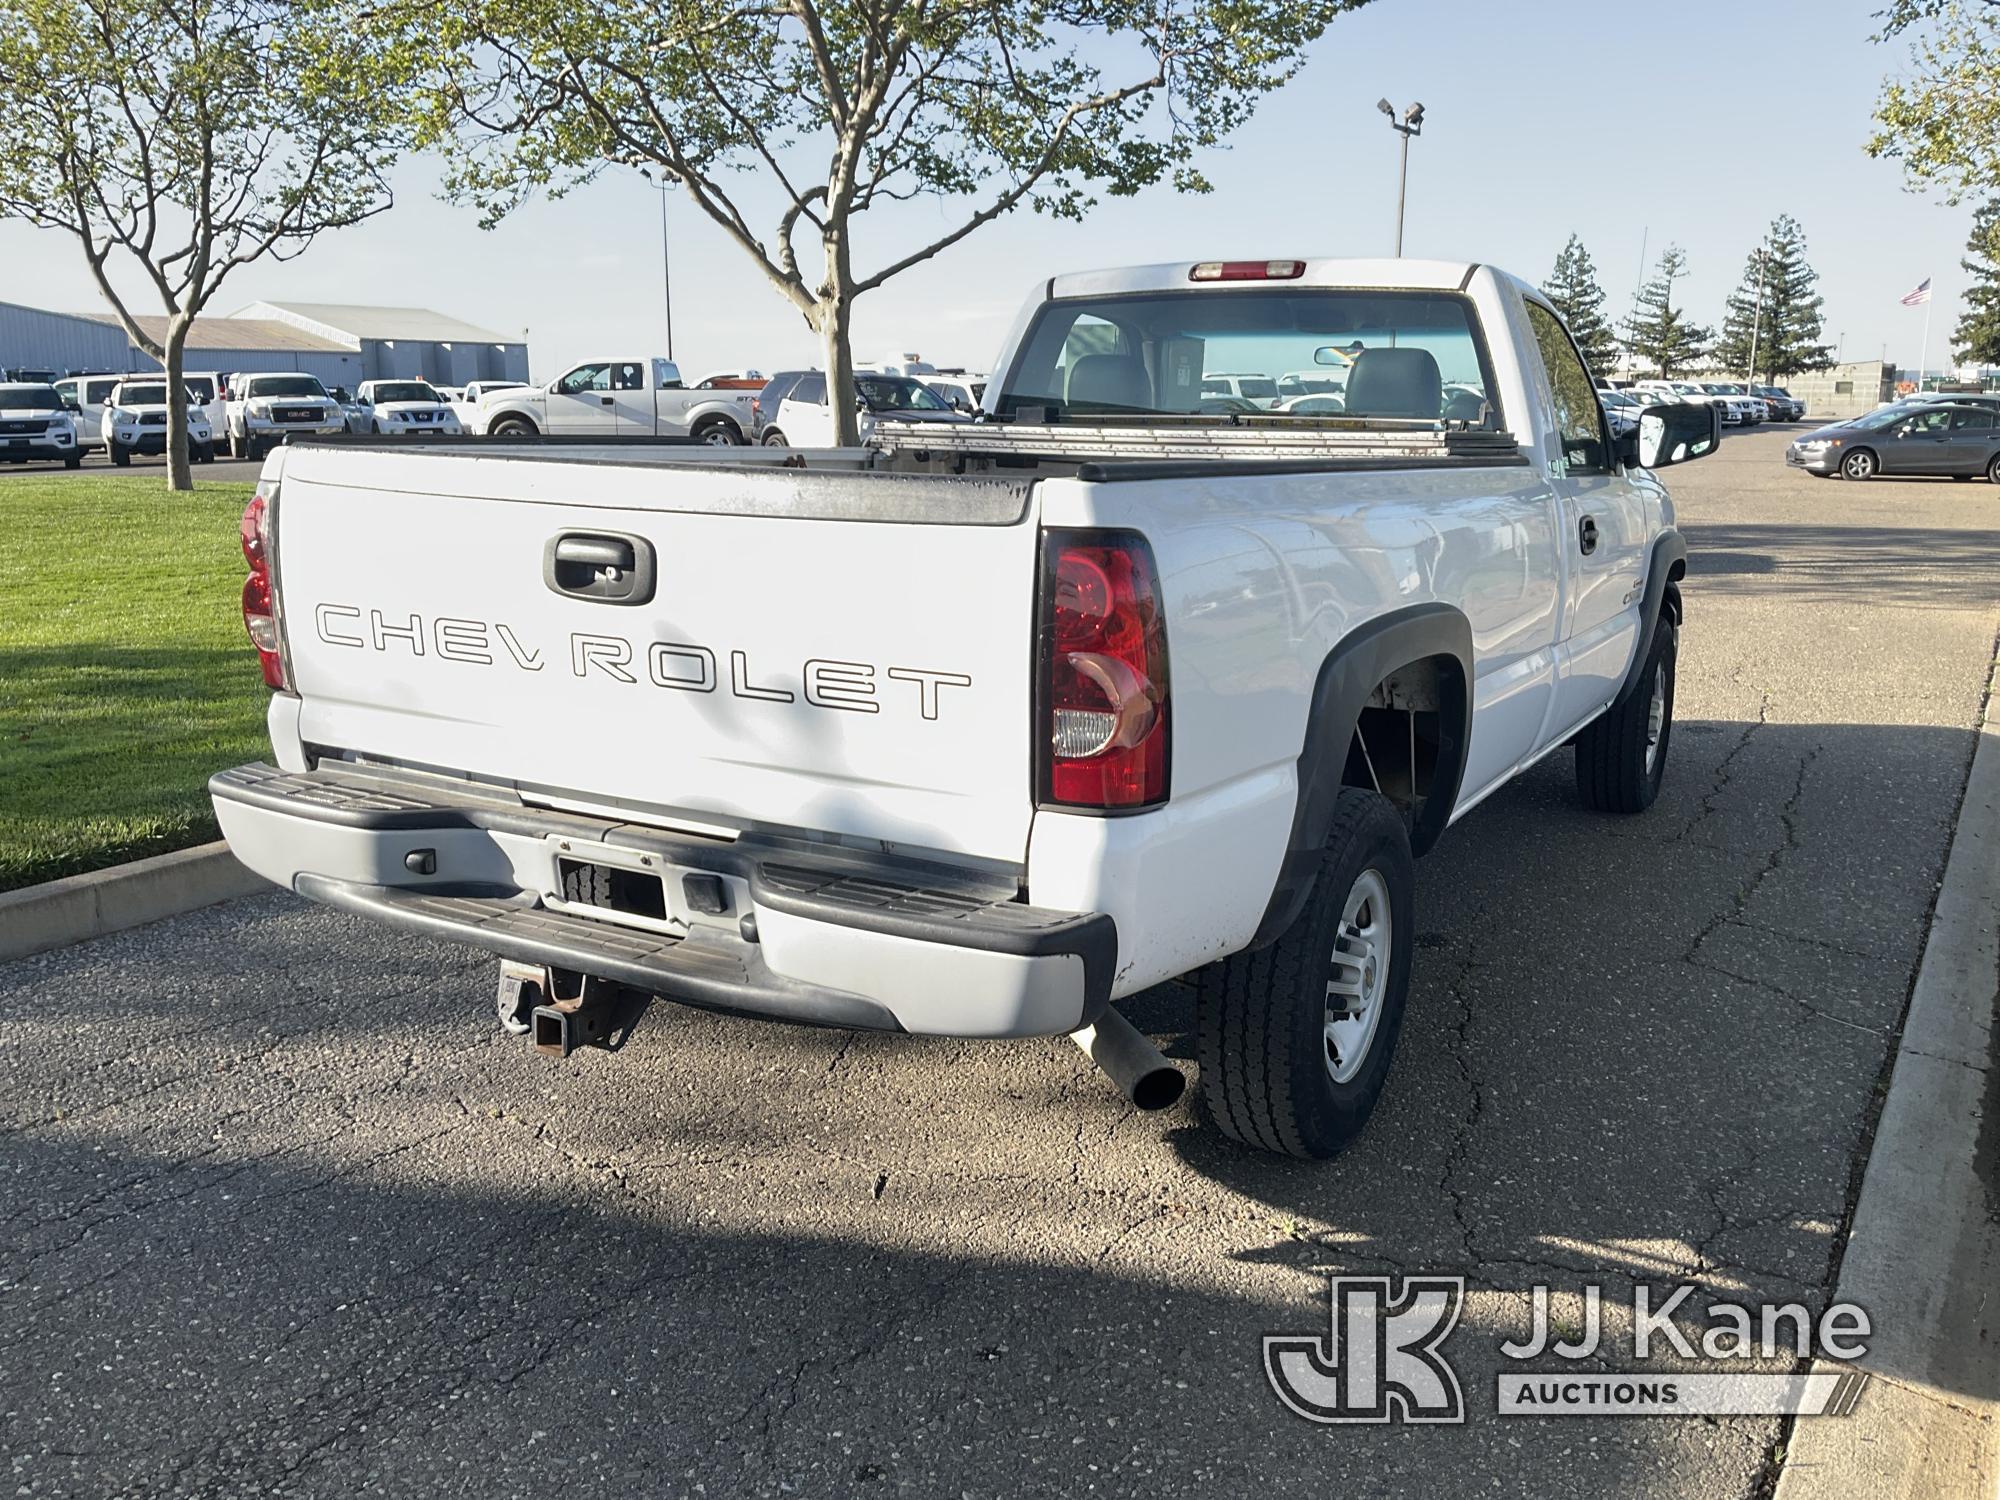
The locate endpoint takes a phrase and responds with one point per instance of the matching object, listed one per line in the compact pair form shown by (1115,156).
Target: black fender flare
(1351,672)
(1663,572)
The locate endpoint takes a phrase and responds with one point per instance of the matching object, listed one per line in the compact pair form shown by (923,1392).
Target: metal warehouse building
(408,343)
(31,339)
(340,344)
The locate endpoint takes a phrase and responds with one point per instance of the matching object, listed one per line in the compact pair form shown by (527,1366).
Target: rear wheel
(718,432)
(1621,757)
(1860,464)
(1295,1039)
(775,439)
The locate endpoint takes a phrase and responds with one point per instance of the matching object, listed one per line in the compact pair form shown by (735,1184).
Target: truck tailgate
(836,652)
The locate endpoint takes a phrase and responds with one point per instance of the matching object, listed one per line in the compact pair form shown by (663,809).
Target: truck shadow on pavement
(283,1209)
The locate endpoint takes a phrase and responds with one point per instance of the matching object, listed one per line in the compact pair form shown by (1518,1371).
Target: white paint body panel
(1261,576)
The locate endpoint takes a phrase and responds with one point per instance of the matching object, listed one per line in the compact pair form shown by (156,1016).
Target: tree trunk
(179,475)
(836,329)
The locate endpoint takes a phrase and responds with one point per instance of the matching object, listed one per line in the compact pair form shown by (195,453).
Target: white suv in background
(405,408)
(804,420)
(36,423)
(85,396)
(265,409)
(135,421)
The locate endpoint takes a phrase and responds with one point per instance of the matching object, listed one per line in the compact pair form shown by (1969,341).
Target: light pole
(666,258)
(1412,123)
(1757,317)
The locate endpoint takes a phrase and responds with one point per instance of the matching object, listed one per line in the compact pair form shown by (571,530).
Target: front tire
(74,461)
(1295,1039)
(1621,757)
(513,427)
(775,439)
(121,458)
(1860,464)
(239,447)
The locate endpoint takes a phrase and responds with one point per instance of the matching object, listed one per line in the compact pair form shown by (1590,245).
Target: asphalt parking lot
(285,1214)
(97,462)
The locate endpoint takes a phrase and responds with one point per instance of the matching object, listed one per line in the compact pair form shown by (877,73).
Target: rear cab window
(1398,357)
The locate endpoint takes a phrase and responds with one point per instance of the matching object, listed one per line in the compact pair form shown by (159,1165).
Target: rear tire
(1621,757)
(718,432)
(1295,1039)
(1993,470)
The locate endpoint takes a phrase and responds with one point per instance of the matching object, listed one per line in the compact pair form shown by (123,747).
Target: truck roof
(1325,271)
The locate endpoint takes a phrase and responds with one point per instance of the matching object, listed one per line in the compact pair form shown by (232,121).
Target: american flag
(1920,296)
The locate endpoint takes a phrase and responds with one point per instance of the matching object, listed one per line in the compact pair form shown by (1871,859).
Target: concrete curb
(1923,1257)
(80,907)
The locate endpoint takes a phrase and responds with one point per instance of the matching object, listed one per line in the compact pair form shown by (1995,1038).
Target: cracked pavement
(286,1215)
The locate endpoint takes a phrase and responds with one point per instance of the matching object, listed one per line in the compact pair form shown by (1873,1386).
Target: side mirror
(70,405)
(1674,434)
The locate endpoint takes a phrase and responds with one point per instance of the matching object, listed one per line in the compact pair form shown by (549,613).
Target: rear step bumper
(807,932)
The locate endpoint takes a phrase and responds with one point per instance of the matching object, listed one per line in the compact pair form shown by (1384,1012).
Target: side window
(97,392)
(627,377)
(810,388)
(66,389)
(585,378)
(1972,421)
(1930,421)
(1579,419)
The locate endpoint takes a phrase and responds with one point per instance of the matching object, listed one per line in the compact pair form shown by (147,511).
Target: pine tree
(1976,340)
(1572,287)
(1782,324)
(1659,333)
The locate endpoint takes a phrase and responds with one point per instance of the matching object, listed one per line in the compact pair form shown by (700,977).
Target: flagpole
(1926,354)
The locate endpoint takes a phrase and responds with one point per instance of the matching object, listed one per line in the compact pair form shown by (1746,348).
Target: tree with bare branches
(179,140)
(830,108)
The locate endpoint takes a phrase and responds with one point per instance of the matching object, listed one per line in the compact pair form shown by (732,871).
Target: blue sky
(1542,118)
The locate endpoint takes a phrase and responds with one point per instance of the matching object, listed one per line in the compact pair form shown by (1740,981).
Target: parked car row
(1739,405)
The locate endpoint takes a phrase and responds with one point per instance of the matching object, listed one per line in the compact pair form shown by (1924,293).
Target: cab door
(632,398)
(581,404)
(1603,536)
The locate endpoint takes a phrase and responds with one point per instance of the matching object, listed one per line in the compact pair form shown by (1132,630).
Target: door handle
(607,401)
(596,551)
(601,567)
(1586,535)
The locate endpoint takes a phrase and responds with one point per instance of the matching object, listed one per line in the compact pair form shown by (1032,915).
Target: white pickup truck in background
(620,398)
(982,728)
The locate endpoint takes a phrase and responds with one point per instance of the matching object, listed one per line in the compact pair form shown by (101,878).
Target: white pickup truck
(987,726)
(627,398)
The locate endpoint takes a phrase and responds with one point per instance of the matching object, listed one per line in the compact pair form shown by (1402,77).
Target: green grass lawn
(125,676)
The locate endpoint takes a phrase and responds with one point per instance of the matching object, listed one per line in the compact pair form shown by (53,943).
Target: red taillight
(260,616)
(1104,726)
(1248,270)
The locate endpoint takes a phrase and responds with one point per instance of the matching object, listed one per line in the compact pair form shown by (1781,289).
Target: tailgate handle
(602,567)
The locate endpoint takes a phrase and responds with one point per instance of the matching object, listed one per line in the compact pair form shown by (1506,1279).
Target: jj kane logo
(1382,1358)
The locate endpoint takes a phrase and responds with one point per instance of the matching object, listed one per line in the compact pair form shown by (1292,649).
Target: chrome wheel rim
(1360,975)
(717,437)
(1656,717)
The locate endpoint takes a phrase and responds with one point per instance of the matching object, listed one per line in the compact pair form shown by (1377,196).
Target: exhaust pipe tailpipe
(1129,1059)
